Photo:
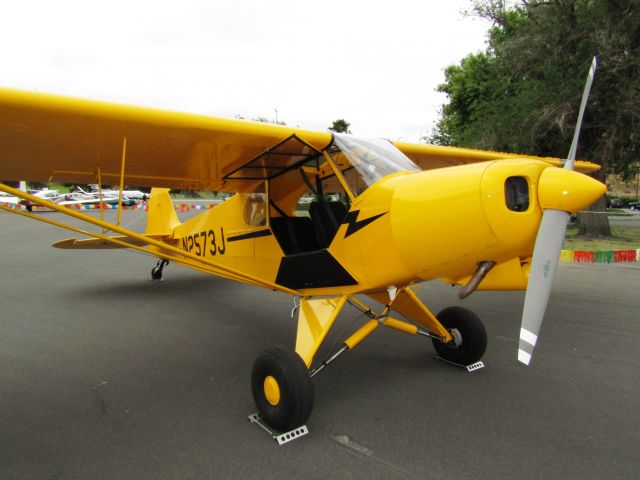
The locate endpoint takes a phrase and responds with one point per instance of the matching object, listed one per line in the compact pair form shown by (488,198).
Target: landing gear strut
(156,272)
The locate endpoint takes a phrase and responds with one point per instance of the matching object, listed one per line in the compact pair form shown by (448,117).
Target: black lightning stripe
(256,234)
(354,224)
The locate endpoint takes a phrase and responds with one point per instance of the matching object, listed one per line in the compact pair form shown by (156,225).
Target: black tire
(468,327)
(156,273)
(295,402)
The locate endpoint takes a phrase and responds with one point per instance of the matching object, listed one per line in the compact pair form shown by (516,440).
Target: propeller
(560,191)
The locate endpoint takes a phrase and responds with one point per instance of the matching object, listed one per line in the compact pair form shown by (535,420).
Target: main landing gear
(156,272)
(281,379)
(282,388)
(469,336)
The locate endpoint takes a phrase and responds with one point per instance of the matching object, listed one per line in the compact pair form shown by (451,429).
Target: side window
(354,181)
(516,192)
(255,210)
(304,202)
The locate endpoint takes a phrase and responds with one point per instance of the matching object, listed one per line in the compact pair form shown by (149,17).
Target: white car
(135,194)
(6,198)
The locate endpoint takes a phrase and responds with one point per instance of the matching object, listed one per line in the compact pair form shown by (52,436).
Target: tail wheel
(469,336)
(156,272)
(282,388)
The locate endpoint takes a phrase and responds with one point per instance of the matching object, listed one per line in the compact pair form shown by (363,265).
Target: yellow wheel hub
(272,390)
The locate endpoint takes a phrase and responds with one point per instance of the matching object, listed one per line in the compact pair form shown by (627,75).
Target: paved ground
(104,374)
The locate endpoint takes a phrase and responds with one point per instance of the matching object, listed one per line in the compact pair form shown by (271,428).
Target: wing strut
(124,155)
(100,198)
(190,260)
(127,242)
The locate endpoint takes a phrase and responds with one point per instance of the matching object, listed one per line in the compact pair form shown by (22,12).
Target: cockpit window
(374,158)
(516,192)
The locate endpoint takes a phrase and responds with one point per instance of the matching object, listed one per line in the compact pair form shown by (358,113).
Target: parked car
(634,205)
(616,203)
(126,201)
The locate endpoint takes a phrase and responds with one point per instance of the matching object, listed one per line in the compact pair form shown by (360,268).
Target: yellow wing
(51,138)
(434,156)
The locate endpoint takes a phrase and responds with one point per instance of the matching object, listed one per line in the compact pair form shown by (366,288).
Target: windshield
(374,158)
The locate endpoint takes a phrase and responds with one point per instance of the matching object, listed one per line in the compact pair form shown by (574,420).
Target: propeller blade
(543,268)
(549,240)
(583,105)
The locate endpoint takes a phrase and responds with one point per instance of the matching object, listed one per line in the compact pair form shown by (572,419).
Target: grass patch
(621,239)
(59,187)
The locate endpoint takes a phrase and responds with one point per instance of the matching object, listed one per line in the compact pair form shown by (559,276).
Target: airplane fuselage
(405,228)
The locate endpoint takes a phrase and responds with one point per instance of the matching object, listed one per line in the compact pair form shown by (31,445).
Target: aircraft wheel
(282,388)
(156,273)
(470,337)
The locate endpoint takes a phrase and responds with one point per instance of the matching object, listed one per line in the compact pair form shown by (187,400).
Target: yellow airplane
(385,216)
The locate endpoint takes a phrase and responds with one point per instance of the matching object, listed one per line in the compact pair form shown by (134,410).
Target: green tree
(523,93)
(340,126)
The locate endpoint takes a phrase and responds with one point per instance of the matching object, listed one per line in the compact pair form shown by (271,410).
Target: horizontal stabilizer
(99,243)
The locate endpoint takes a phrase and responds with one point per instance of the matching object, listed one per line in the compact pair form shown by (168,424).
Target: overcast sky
(375,63)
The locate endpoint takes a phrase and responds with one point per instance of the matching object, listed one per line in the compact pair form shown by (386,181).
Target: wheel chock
(470,368)
(281,438)
(475,366)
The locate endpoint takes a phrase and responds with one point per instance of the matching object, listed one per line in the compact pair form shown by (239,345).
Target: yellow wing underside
(51,138)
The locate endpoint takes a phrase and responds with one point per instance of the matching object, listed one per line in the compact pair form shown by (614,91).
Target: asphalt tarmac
(105,374)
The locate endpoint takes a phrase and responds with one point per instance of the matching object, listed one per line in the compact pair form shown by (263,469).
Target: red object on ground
(583,256)
(624,256)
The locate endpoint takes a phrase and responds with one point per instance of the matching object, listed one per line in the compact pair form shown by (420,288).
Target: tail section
(161,216)
(161,221)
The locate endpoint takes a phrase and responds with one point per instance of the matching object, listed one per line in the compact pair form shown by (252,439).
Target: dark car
(126,201)
(616,203)
(634,205)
